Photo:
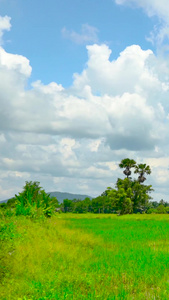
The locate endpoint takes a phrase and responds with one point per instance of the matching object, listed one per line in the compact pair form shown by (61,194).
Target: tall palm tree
(142,169)
(127,164)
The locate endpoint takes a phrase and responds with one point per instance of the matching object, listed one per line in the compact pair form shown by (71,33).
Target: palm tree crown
(142,169)
(127,164)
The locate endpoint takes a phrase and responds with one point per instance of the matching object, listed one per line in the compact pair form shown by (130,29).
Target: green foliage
(86,256)
(125,205)
(7,231)
(98,204)
(142,169)
(76,205)
(33,201)
(11,203)
(81,206)
(160,209)
(166,204)
(3,205)
(130,195)
(6,210)
(7,234)
(127,164)
(67,205)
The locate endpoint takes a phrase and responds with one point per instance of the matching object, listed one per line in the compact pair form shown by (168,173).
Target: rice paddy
(86,256)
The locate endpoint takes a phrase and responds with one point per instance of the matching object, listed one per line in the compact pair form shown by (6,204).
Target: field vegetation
(85,256)
(115,246)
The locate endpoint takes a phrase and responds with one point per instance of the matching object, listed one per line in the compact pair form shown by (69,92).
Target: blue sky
(37,33)
(83,84)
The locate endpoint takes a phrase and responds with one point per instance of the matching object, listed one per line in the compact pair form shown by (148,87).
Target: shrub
(161,209)
(34,201)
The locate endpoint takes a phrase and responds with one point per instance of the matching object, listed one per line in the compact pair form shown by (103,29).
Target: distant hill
(61,196)
(3,201)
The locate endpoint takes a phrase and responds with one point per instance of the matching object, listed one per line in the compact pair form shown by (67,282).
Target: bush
(33,201)
(151,211)
(161,209)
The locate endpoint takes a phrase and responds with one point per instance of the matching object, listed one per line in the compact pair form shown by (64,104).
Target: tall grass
(87,257)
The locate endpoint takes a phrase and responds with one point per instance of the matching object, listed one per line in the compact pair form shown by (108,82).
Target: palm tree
(142,169)
(127,164)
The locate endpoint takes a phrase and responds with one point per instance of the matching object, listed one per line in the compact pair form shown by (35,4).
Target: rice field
(85,256)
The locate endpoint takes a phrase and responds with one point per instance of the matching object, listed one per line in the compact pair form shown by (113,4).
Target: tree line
(130,195)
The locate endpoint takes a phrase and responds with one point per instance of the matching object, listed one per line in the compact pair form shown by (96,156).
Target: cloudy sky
(83,84)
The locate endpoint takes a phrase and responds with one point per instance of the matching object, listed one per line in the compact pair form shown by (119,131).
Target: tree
(125,204)
(130,195)
(141,196)
(67,205)
(127,164)
(106,202)
(87,204)
(34,200)
(121,199)
(154,204)
(80,206)
(142,169)
(161,209)
(140,192)
(166,204)
(98,204)
(123,183)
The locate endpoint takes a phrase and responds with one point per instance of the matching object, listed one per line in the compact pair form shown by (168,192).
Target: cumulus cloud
(128,73)
(13,62)
(73,139)
(125,98)
(88,34)
(118,114)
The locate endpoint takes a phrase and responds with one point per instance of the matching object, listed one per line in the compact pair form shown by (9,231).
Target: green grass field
(85,256)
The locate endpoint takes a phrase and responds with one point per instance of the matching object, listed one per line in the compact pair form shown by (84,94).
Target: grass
(85,257)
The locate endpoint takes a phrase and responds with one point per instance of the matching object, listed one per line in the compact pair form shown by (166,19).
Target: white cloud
(49,89)
(88,34)
(73,139)
(154,8)
(129,73)
(4,25)
(13,62)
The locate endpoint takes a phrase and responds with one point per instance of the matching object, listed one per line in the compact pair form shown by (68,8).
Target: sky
(83,84)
